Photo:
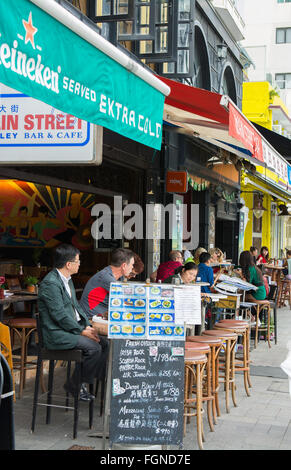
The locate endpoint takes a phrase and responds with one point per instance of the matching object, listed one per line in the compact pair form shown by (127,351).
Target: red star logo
(30,30)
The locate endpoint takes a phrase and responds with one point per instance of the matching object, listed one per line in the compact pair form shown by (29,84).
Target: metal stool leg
(50,388)
(36,389)
(76,399)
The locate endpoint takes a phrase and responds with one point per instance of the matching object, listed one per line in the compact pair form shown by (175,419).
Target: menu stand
(104,432)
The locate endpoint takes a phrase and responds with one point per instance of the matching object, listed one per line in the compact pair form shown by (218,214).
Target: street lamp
(258,209)
(221,51)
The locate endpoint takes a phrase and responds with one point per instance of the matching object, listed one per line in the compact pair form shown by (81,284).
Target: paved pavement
(259,422)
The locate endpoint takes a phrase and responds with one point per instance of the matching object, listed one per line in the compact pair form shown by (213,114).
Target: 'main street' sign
(42,58)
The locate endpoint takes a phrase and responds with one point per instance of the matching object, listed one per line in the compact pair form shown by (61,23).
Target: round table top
(272,266)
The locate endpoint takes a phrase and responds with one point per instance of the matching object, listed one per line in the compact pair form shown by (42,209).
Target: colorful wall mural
(36,215)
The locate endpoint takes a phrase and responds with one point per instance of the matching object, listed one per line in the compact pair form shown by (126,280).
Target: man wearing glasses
(63,322)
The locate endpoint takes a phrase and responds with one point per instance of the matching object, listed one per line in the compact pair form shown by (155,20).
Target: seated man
(168,268)
(205,272)
(65,325)
(95,297)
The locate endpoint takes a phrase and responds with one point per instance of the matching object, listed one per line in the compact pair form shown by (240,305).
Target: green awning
(50,55)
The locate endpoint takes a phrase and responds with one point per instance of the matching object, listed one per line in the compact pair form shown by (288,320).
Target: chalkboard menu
(147,399)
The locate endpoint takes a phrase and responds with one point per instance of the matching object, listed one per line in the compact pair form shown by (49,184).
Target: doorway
(226,238)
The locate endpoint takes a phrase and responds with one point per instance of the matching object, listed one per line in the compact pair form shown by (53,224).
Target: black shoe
(85,395)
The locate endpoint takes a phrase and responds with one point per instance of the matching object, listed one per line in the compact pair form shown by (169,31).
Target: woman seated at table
(197,253)
(216,258)
(263,257)
(184,274)
(252,274)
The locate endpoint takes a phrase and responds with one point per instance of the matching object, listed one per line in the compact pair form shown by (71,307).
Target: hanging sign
(177,182)
(33,132)
(241,129)
(36,58)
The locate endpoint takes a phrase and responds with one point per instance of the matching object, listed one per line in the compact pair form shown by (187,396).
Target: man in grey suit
(63,322)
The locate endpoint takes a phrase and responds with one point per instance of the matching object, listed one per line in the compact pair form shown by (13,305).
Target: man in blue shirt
(205,272)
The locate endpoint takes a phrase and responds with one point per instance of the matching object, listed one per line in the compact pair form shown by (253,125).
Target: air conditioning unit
(277,128)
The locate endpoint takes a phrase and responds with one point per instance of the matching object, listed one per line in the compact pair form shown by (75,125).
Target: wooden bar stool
(241,328)
(207,395)
(195,364)
(215,345)
(285,292)
(263,308)
(22,327)
(228,364)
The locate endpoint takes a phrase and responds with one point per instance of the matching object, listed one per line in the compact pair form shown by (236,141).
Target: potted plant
(31,282)
(2,287)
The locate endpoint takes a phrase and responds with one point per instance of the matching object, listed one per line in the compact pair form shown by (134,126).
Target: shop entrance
(226,237)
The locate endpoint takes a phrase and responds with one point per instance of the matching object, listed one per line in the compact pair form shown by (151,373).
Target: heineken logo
(30,30)
(36,59)
(17,61)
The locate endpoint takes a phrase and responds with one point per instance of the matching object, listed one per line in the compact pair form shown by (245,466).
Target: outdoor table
(204,303)
(223,265)
(22,297)
(276,270)
(19,297)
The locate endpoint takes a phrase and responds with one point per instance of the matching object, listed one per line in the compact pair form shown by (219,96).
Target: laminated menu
(141,311)
(188,304)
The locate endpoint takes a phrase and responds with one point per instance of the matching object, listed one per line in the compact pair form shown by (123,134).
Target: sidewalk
(259,422)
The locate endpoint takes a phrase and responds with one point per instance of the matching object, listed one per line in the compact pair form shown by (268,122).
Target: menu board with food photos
(138,310)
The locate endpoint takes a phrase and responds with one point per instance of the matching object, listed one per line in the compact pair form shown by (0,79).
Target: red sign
(241,129)
(177,182)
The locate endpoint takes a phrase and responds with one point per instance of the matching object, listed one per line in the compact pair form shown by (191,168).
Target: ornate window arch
(202,76)
(227,82)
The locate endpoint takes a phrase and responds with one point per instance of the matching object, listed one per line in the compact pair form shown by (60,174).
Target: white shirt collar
(64,278)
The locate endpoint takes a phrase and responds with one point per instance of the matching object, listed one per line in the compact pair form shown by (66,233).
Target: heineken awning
(49,54)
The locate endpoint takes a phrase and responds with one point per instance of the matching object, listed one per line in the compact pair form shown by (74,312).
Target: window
(165,33)
(284,1)
(228,84)
(142,26)
(283,35)
(110,10)
(201,76)
(183,66)
(283,80)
